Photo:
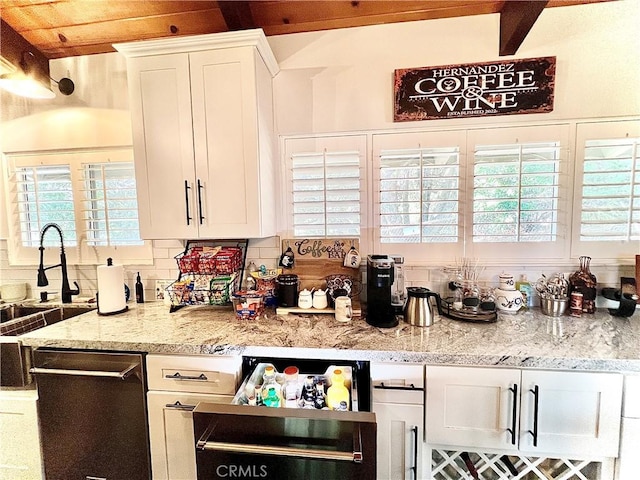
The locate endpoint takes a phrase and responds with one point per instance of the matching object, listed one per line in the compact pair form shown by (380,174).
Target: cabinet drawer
(397,383)
(197,374)
(173,456)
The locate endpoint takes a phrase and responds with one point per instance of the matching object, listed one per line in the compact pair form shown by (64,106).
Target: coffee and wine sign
(475,90)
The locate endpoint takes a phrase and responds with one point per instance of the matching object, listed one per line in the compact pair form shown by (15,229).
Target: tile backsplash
(266,251)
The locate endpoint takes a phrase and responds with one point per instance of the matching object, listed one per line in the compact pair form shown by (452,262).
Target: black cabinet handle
(178,376)
(200,187)
(382,386)
(514,411)
(180,406)
(414,469)
(536,397)
(186,200)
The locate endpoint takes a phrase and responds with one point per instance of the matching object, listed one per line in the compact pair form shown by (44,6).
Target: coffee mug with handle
(343,309)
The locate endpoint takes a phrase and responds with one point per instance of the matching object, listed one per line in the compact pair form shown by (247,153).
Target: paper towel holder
(126,307)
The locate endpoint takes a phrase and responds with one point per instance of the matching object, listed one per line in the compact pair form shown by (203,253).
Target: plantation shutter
(111,209)
(326,194)
(516,192)
(325,185)
(611,190)
(419,191)
(44,194)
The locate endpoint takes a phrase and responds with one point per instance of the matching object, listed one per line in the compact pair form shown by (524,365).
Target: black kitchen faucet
(66,292)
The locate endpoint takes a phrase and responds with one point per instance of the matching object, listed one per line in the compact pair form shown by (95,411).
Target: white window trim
(610,251)
(82,254)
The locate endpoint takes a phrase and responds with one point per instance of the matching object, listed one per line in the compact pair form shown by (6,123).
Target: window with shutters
(607,204)
(419,195)
(44,195)
(111,208)
(515,192)
(325,186)
(90,195)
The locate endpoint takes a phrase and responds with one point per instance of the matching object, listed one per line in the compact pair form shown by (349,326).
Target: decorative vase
(585,282)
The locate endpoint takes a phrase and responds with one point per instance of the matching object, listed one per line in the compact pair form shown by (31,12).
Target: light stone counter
(528,339)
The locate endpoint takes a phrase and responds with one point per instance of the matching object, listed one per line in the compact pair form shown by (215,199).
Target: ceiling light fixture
(23,82)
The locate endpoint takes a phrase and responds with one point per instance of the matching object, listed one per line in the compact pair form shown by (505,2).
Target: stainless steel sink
(15,360)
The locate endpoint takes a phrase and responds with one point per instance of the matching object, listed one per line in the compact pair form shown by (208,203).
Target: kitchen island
(598,342)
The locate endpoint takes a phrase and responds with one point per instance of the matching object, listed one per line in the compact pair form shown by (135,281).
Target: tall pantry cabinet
(203,135)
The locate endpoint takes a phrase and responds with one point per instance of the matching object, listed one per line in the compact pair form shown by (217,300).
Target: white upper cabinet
(203,134)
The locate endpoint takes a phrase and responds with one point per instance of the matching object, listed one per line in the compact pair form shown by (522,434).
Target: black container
(287,290)
(380,310)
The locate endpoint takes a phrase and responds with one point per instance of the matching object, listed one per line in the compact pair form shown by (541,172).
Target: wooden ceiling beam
(237,15)
(516,19)
(15,50)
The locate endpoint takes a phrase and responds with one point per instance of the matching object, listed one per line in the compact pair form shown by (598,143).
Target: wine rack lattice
(451,465)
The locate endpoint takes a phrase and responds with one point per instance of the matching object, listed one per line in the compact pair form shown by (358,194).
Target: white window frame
(333,143)
(412,141)
(606,251)
(81,254)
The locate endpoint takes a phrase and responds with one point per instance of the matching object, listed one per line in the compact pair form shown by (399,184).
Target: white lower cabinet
(530,412)
(626,464)
(20,456)
(176,385)
(398,402)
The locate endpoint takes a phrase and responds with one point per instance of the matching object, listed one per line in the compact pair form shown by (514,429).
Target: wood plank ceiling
(64,28)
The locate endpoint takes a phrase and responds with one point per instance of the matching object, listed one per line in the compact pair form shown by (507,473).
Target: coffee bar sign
(475,90)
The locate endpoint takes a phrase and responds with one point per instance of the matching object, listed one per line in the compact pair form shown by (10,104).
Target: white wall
(342,80)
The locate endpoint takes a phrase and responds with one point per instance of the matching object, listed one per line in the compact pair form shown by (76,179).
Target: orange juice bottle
(337,392)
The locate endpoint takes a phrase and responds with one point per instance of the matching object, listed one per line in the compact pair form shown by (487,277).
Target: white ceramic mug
(343,309)
(352,259)
(320,299)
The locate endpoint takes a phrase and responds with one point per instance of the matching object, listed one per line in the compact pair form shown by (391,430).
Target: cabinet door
(226,142)
(173,455)
(471,407)
(400,440)
(20,457)
(160,104)
(398,402)
(577,414)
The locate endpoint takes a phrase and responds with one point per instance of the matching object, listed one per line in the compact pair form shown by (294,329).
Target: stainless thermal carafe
(418,311)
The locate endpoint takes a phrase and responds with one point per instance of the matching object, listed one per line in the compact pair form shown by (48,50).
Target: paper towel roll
(111,297)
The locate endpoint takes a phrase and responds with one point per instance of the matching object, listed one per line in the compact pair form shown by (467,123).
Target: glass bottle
(308,395)
(268,382)
(320,402)
(250,281)
(337,392)
(272,399)
(585,282)
(290,386)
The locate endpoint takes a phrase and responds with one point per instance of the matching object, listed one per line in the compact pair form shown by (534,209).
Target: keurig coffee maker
(380,310)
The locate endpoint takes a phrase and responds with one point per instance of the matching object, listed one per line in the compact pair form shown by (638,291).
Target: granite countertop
(528,339)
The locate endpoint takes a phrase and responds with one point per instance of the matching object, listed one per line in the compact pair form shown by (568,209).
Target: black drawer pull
(410,387)
(178,376)
(179,406)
